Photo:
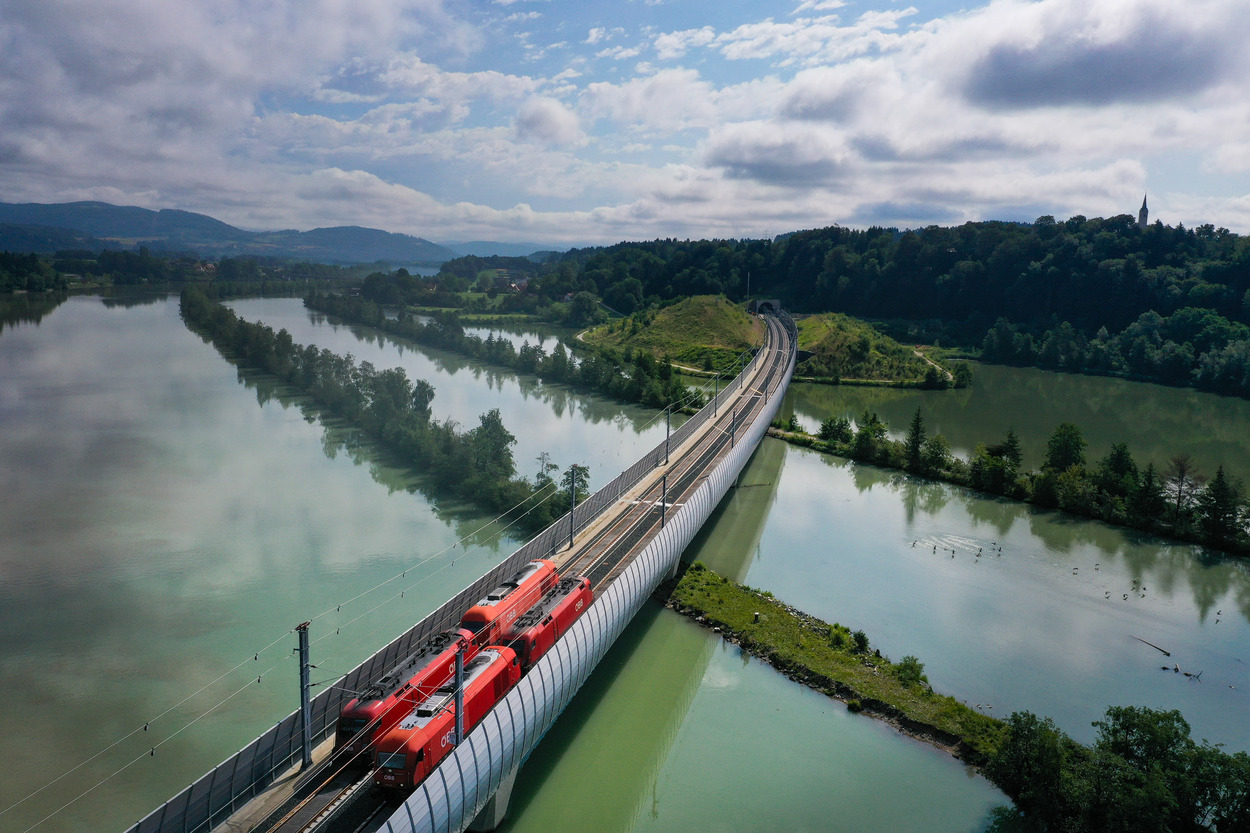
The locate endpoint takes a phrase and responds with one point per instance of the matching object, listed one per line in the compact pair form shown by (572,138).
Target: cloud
(672,45)
(1068,52)
(778,154)
(548,121)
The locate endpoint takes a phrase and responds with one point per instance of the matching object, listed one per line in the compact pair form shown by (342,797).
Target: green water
(1156,421)
(165,517)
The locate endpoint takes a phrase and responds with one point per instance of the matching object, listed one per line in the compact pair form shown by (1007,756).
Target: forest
(1094,295)
(474,464)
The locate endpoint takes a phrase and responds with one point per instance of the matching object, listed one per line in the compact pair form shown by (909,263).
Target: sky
(574,123)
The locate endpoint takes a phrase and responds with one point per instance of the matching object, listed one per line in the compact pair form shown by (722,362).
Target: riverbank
(1209,516)
(836,661)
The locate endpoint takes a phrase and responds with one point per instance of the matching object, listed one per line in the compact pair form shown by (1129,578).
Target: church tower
(1143,215)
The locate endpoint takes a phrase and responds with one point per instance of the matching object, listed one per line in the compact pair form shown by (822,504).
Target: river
(168,516)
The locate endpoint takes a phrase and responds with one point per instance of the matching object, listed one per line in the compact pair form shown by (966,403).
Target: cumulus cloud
(792,154)
(546,120)
(1068,52)
(404,115)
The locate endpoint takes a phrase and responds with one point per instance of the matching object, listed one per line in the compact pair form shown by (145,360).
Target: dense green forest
(631,376)
(476,464)
(1144,773)
(27,273)
(1178,501)
(1097,295)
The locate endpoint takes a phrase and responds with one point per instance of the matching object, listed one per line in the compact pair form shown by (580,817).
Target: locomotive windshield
(391,760)
(352,725)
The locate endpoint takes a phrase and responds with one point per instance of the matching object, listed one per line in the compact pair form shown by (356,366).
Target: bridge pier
(496,809)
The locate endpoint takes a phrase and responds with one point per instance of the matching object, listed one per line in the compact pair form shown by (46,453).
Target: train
(532,634)
(420,740)
(495,613)
(380,706)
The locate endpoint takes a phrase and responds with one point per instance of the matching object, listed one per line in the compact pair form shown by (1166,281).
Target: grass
(846,348)
(825,656)
(703,332)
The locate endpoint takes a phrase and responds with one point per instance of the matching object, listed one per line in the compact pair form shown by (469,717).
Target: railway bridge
(627,538)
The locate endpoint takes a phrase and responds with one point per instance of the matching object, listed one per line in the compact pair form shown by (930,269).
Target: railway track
(339,796)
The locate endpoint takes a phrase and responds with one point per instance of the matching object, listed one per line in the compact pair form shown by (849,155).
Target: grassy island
(704,332)
(837,661)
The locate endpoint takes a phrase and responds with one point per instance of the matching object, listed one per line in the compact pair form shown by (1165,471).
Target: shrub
(910,671)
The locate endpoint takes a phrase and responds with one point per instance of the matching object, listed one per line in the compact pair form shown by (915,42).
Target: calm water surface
(1156,421)
(167,516)
(572,427)
(1044,625)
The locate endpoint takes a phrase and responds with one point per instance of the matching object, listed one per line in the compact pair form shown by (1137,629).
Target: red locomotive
(387,701)
(407,753)
(490,617)
(533,634)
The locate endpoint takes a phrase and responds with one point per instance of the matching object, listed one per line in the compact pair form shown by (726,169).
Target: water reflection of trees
(123,299)
(1159,565)
(384,469)
(560,398)
(27,307)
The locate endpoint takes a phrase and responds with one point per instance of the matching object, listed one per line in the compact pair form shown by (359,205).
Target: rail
(228,786)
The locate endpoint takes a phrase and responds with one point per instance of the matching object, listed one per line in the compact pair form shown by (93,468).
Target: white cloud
(265,114)
(545,120)
(672,45)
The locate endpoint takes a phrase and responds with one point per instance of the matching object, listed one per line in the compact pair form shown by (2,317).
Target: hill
(703,332)
(185,231)
(838,346)
(15,237)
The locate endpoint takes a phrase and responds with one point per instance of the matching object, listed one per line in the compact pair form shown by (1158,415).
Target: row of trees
(1190,346)
(1177,501)
(27,273)
(628,376)
(1144,773)
(476,464)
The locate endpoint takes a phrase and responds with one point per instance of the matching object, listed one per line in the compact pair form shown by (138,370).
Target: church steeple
(1144,214)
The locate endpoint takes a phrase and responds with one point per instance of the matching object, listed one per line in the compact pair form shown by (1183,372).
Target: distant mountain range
(40,227)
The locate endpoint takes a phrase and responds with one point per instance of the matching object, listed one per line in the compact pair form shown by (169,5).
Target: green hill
(702,332)
(846,348)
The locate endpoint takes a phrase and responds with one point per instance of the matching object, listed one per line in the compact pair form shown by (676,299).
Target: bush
(910,671)
(861,642)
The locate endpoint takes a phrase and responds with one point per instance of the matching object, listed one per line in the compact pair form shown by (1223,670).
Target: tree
(584,310)
(579,475)
(914,444)
(1011,448)
(422,397)
(1117,473)
(910,671)
(1219,509)
(869,437)
(1028,766)
(1065,449)
(936,456)
(1183,482)
(836,429)
(490,445)
(1146,502)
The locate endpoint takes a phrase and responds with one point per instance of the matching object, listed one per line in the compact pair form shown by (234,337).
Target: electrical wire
(256,654)
(151,752)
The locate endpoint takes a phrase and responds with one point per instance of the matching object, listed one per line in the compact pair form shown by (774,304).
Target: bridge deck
(602,550)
